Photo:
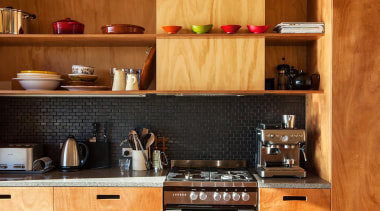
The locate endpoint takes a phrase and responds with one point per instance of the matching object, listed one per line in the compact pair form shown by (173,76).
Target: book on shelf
(300,27)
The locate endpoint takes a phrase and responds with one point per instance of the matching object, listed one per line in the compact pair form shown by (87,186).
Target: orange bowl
(172,29)
(258,29)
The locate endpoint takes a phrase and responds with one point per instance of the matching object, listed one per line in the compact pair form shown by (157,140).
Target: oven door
(189,207)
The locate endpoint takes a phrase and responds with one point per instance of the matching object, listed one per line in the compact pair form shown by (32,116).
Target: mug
(118,80)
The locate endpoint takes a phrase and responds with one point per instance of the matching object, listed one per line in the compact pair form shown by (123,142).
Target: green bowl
(201,29)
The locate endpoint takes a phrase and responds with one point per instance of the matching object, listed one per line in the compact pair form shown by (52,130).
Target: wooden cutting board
(149,70)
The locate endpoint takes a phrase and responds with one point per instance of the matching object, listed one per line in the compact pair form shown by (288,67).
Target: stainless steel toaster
(19,156)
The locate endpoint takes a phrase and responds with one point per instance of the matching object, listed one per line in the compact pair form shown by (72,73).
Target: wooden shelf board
(143,93)
(269,37)
(78,40)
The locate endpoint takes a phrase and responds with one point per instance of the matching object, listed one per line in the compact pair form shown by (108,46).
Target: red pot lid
(69,21)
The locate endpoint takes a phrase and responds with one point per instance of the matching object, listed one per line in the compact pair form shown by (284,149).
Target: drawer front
(278,199)
(26,198)
(107,198)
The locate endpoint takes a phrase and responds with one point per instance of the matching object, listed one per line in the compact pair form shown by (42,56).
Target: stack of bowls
(82,76)
(38,80)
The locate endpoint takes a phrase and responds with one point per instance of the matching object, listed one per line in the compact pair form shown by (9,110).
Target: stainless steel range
(209,185)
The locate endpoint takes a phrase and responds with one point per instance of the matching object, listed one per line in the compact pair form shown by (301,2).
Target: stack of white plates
(38,80)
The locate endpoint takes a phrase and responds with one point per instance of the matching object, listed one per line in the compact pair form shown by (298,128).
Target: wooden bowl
(122,29)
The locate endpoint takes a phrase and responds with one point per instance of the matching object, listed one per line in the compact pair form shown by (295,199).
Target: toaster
(19,156)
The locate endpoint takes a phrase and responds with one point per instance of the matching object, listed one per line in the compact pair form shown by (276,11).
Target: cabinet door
(107,198)
(26,198)
(210,64)
(278,199)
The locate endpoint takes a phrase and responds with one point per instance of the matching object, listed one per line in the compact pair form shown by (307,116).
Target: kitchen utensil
(172,29)
(86,88)
(106,130)
(144,132)
(157,163)
(201,29)
(282,78)
(119,81)
(257,29)
(291,73)
(5,21)
(68,26)
(131,83)
(302,81)
(34,84)
(139,162)
(82,77)
(230,29)
(149,70)
(150,141)
(71,158)
(80,69)
(122,29)
(288,121)
(20,21)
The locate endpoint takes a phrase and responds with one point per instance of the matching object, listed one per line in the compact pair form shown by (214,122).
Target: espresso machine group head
(279,152)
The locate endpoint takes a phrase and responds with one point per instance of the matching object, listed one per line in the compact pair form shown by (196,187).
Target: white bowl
(38,83)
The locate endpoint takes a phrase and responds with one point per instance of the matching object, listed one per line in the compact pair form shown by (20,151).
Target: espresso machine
(279,150)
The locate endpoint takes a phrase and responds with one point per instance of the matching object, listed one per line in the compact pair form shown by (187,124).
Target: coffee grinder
(279,148)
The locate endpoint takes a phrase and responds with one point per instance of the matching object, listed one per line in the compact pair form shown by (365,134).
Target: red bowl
(258,29)
(68,26)
(230,29)
(172,29)
(122,29)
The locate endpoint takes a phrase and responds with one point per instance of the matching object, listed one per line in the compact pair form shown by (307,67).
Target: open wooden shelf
(269,37)
(143,93)
(78,40)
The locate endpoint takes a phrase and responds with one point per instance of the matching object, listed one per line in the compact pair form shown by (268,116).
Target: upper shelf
(78,40)
(109,40)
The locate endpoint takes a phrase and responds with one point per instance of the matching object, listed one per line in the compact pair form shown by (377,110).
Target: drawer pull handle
(107,196)
(294,198)
(5,196)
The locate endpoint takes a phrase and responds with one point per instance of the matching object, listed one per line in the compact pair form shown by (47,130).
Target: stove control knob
(272,135)
(226,196)
(217,196)
(245,196)
(193,196)
(235,196)
(202,196)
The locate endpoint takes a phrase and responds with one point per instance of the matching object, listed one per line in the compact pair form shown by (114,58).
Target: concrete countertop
(110,177)
(311,181)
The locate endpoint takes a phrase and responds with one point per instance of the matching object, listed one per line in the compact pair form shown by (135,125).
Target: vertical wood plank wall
(318,107)
(356,106)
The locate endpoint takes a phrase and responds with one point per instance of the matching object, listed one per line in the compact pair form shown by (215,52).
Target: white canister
(118,80)
(138,160)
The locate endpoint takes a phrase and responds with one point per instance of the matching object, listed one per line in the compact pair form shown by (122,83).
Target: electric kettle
(71,156)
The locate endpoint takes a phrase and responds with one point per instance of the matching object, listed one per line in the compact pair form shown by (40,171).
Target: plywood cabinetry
(107,198)
(275,199)
(210,64)
(26,198)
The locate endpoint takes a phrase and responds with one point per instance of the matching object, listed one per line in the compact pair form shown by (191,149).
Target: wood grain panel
(318,107)
(61,59)
(217,12)
(92,14)
(27,198)
(277,11)
(210,64)
(271,199)
(85,198)
(356,100)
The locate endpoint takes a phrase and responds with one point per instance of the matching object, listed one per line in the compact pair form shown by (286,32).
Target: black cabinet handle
(294,198)
(5,196)
(107,196)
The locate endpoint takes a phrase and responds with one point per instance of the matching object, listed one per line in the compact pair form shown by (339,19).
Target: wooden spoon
(150,142)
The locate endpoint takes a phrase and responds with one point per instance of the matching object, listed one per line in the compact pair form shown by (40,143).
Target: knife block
(99,155)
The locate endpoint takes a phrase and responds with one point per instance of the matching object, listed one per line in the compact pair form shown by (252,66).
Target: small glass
(124,163)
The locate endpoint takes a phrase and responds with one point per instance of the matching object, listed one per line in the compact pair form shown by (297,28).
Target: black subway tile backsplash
(196,127)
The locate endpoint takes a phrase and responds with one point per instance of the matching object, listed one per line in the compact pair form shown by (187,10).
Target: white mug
(132,83)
